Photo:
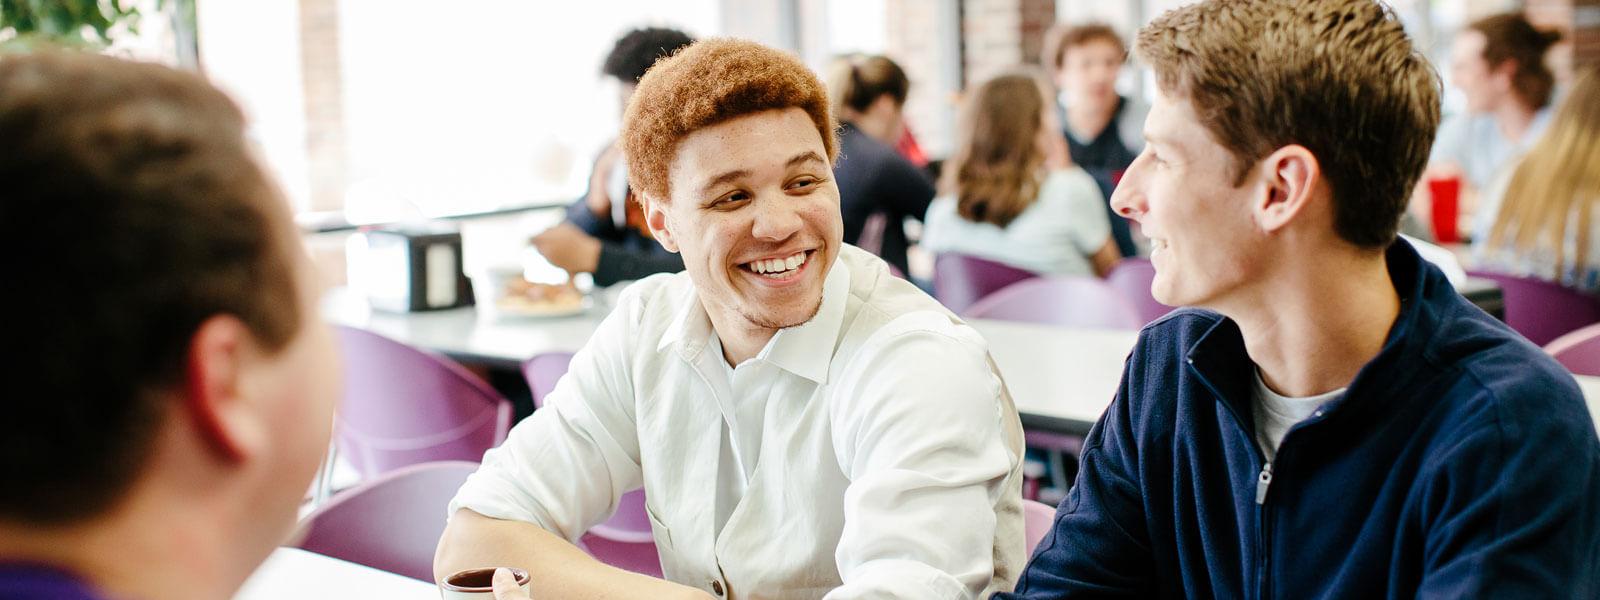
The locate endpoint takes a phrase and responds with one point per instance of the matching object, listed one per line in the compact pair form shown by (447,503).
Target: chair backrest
(625,540)
(1578,351)
(1132,277)
(960,280)
(1065,301)
(390,523)
(1540,310)
(1037,519)
(542,373)
(404,406)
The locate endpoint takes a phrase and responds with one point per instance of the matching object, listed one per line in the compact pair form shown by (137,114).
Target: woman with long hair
(1011,194)
(878,188)
(1542,224)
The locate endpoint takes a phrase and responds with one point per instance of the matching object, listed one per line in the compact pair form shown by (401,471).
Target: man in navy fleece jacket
(1333,420)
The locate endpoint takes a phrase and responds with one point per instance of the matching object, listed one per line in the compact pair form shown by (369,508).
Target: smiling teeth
(778,266)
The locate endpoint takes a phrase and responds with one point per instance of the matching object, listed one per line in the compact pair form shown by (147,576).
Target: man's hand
(568,247)
(505,586)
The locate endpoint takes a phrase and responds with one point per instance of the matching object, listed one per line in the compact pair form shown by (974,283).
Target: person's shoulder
(654,300)
(1495,376)
(1068,184)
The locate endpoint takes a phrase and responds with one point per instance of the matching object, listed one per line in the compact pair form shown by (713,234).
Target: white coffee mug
(476,584)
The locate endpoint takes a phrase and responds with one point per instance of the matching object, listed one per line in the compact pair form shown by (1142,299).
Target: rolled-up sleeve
(920,433)
(564,467)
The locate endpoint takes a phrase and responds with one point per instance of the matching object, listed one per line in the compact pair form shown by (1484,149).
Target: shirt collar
(798,349)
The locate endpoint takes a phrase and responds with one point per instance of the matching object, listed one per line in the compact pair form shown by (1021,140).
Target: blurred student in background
(1540,219)
(1011,194)
(604,233)
(1104,130)
(1498,64)
(178,388)
(878,187)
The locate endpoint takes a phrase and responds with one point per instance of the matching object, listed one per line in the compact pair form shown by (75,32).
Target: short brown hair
(1064,37)
(996,169)
(855,81)
(1511,37)
(1339,77)
(710,82)
(133,212)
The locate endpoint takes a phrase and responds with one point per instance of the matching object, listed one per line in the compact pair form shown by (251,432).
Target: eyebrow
(735,175)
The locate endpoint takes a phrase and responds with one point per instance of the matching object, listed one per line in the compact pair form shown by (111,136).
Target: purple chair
(960,280)
(1037,519)
(625,540)
(404,406)
(1578,351)
(390,523)
(1541,310)
(1132,277)
(1064,301)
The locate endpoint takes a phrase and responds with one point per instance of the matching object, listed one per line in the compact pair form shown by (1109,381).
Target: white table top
(295,574)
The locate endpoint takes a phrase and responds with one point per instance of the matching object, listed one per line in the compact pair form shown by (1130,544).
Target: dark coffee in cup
(473,582)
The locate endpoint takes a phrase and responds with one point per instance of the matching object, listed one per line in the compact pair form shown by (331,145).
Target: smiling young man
(1337,421)
(804,424)
(173,390)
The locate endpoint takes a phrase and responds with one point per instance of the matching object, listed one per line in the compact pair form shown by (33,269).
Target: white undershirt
(1275,414)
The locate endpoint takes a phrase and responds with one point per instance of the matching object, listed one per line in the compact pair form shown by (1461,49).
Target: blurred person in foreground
(878,187)
(179,392)
(786,403)
(1330,420)
(604,233)
(1540,219)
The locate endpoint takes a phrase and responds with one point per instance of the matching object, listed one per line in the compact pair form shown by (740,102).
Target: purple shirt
(20,581)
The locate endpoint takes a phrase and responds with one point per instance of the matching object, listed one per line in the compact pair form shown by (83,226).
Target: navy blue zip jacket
(1460,463)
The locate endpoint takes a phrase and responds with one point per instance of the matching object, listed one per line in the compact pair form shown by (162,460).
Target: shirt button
(716,586)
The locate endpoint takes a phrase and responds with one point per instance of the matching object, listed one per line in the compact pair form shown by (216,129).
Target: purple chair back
(1578,351)
(1037,519)
(960,280)
(390,523)
(1540,310)
(403,406)
(1065,301)
(625,540)
(1132,277)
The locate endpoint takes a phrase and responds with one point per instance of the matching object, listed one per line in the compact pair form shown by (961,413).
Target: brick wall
(914,41)
(1579,23)
(324,103)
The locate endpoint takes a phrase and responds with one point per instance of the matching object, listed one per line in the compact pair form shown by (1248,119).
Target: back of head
(710,82)
(856,81)
(1550,198)
(1511,37)
(133,212)
(637,50)
(1339,77)
(1062,38)
(997,167)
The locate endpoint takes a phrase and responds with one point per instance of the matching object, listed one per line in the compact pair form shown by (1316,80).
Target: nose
(1128,200)
(776,220)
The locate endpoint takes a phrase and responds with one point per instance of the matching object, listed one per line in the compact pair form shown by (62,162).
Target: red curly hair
(710,82)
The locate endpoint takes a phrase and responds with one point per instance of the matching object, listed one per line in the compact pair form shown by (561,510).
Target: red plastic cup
(1446,192)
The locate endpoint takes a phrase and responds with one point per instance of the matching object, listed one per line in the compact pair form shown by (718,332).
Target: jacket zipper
(1263,537)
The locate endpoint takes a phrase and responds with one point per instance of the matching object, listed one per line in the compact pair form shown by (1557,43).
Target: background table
(1060,378)
(294,574)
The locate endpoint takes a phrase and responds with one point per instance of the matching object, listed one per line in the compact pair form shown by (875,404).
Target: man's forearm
(557,568)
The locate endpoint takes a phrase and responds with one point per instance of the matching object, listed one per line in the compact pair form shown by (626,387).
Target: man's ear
(1291,176)
(655,217)
(216,391)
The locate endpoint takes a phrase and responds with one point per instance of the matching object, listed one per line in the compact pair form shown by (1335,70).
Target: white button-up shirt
(872,452)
